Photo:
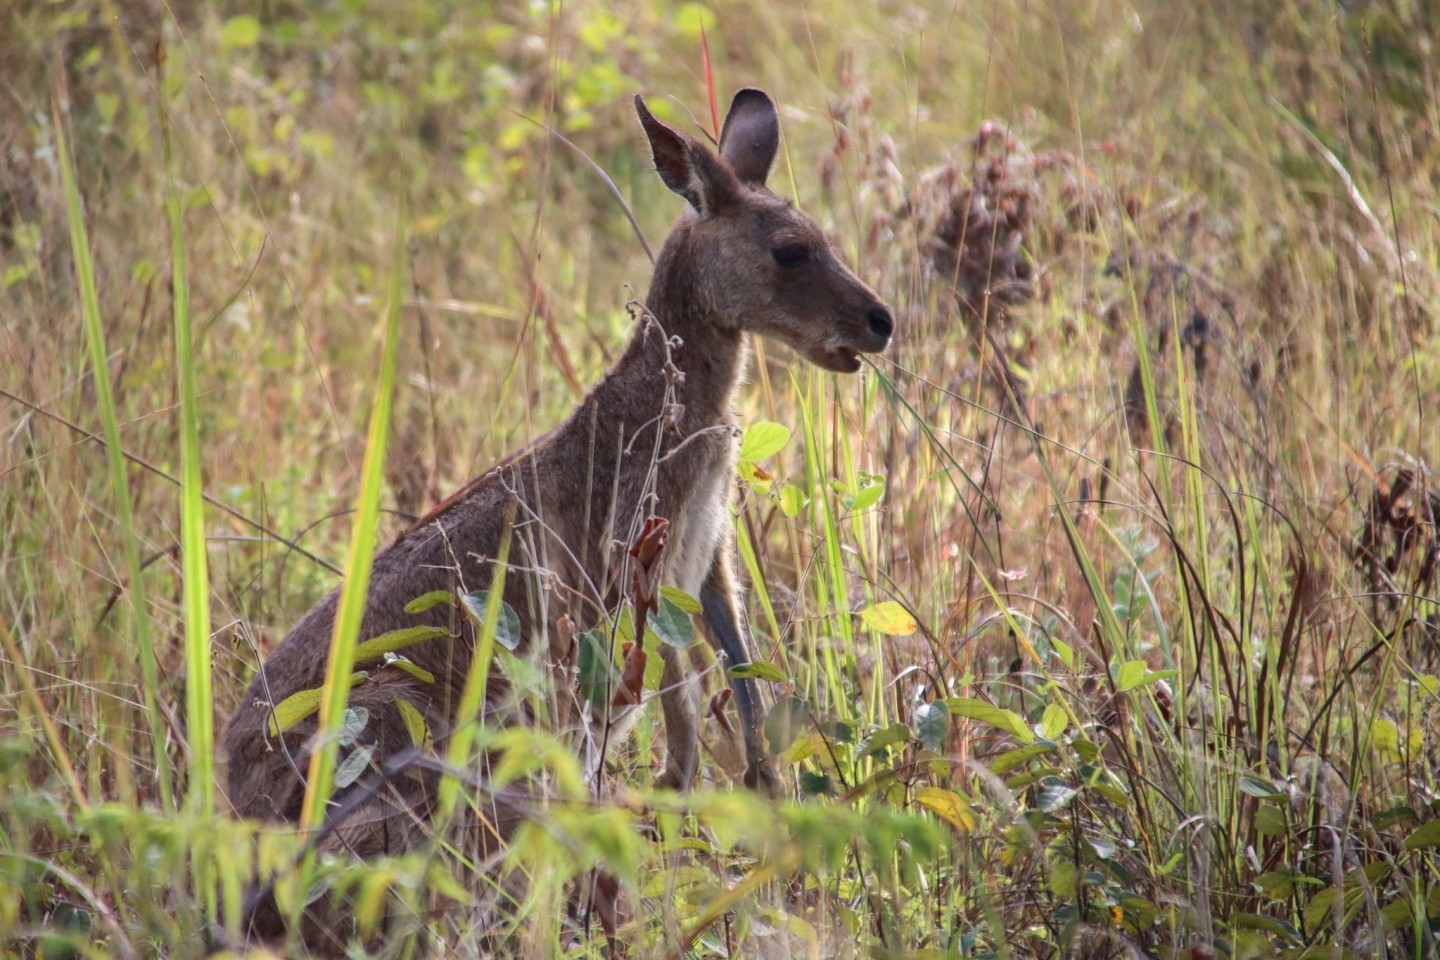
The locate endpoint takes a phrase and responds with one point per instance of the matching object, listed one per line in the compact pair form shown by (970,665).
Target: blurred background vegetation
(1146,467)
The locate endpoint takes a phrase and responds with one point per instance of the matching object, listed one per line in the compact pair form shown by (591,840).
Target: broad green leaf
(1397,914)
(998,717)
(758,670)
(596,672)
(1011,759)
(894,734)
(1388,818)
(1130,674)
(1034,775)
(428,600)
(890,618)
(803,748)
(762,440)
(672,624)
(932,723)
(1103,848)
(1256,921)
(682,600)
(1062,879)
(1276,884)
(1425,836)
(813,784)
(1357,885)
(1260,788)
(298,706)
(868,497)
(293,709)
(792,500)
(377,647)
(1053,721)
(787,720)
(1140,913)
(1054,796)
(353,765)
(654,662)
(1112,792)
(401,663)
(947,804)
(415,724)
(1317,909)
(1137,673)
(507,628)
(1270,821)
(356,719)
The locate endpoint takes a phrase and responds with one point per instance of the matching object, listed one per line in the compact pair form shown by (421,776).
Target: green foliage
(344,645)
(1125,651)
(507,621)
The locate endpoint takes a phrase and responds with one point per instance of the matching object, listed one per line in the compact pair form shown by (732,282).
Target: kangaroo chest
(698,531)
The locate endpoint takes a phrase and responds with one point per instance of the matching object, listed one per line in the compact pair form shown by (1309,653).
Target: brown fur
(655,437)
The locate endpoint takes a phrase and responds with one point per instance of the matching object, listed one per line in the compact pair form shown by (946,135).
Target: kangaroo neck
(710,356)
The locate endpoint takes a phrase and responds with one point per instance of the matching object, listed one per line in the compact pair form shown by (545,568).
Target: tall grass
(1129,652)
(350,612)
(195,576)
(119,481)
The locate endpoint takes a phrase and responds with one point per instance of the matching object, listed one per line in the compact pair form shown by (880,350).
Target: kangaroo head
(747,257)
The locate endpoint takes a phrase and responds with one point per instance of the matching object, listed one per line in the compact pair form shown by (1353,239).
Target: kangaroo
(656,437)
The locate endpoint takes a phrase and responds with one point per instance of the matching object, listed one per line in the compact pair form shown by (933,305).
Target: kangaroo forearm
(721,617)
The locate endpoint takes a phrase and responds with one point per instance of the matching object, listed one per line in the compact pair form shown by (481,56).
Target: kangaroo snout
(841,350)
(882,325)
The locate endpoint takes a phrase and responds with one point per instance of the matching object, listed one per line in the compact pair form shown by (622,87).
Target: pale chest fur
(698,532)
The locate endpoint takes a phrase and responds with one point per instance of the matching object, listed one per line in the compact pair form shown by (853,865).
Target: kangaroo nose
(881,323)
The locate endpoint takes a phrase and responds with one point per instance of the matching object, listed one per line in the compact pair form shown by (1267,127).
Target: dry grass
(1162,393)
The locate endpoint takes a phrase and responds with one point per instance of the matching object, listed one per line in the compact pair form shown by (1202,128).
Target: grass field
(1104,602)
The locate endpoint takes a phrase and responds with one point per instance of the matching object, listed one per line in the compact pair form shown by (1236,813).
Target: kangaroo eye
(791,254)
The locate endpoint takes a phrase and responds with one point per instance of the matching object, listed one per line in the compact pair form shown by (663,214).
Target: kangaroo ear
(686,166)
(751,135)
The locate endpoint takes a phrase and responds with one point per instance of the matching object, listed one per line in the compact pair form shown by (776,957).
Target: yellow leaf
(889,617)
(1062,879)
(1386,737)
(240,32)
(803,748)
(946,804)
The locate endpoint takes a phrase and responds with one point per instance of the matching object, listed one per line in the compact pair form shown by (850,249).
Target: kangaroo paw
(764,779)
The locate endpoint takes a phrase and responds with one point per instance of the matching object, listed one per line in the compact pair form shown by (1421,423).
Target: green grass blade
(199,695)
(351,610)
(119,480)
(472,695)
